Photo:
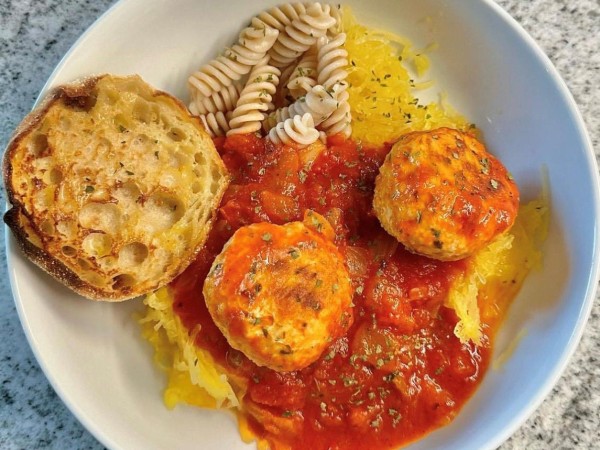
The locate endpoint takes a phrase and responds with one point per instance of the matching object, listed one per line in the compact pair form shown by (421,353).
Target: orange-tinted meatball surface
(442,195)
(280,293)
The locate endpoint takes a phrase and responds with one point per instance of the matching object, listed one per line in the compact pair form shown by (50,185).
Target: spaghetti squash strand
(193,376)
(381,88)
(500,269)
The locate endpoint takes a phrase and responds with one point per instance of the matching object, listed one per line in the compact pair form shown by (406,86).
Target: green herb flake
(302,175)
(485,166)
(286,350)
(349,381)
(376,423)
(266,237)
(389,377)
(328,357)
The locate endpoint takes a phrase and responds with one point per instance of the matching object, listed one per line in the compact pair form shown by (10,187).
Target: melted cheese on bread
(113,186)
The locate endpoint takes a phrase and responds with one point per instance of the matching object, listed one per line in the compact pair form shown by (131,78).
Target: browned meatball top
(280,293)
(442,195)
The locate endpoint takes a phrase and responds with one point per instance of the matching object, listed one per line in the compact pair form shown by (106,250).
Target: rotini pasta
(331,68)
(332,60)
(255,98)
(297,45)
(254,42)
(318,102)
(304,76)
(280,16)
(341,119)
(301,34)
(224,100)
(336,28)
(299,130)
(216,124)
(283,96)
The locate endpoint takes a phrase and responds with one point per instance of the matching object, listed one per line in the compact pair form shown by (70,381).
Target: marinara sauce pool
(400,371)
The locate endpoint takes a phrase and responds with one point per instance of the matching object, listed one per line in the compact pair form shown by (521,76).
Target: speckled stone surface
(34,34)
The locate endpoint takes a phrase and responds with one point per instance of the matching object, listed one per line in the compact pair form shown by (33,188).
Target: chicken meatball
(280,293)
(442,195)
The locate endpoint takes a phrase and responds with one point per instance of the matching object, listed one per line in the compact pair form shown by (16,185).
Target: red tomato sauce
(399,372)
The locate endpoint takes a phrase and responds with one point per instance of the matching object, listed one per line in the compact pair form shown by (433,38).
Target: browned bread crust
(114,186)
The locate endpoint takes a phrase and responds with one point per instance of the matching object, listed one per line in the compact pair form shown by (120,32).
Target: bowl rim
(591,289)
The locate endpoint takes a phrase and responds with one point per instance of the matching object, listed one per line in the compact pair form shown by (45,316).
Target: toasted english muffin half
(114,186)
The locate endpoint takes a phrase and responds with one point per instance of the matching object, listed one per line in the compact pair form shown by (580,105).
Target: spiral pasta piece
(216,124)
(341,119)
(318,102)
(224,100)
(304,76)
(255,98)
(282,96)
(336,28)
(299,130)
(301,34)
(286,74)
(323,137)
(332,73)
(332,60)
(280,16)
(253,43)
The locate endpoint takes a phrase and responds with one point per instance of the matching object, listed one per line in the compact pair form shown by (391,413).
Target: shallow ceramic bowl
(493,73)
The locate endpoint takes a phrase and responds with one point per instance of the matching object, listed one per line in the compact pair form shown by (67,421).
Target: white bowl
(494,74)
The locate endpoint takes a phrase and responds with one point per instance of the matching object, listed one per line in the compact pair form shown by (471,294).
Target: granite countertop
(33,37)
